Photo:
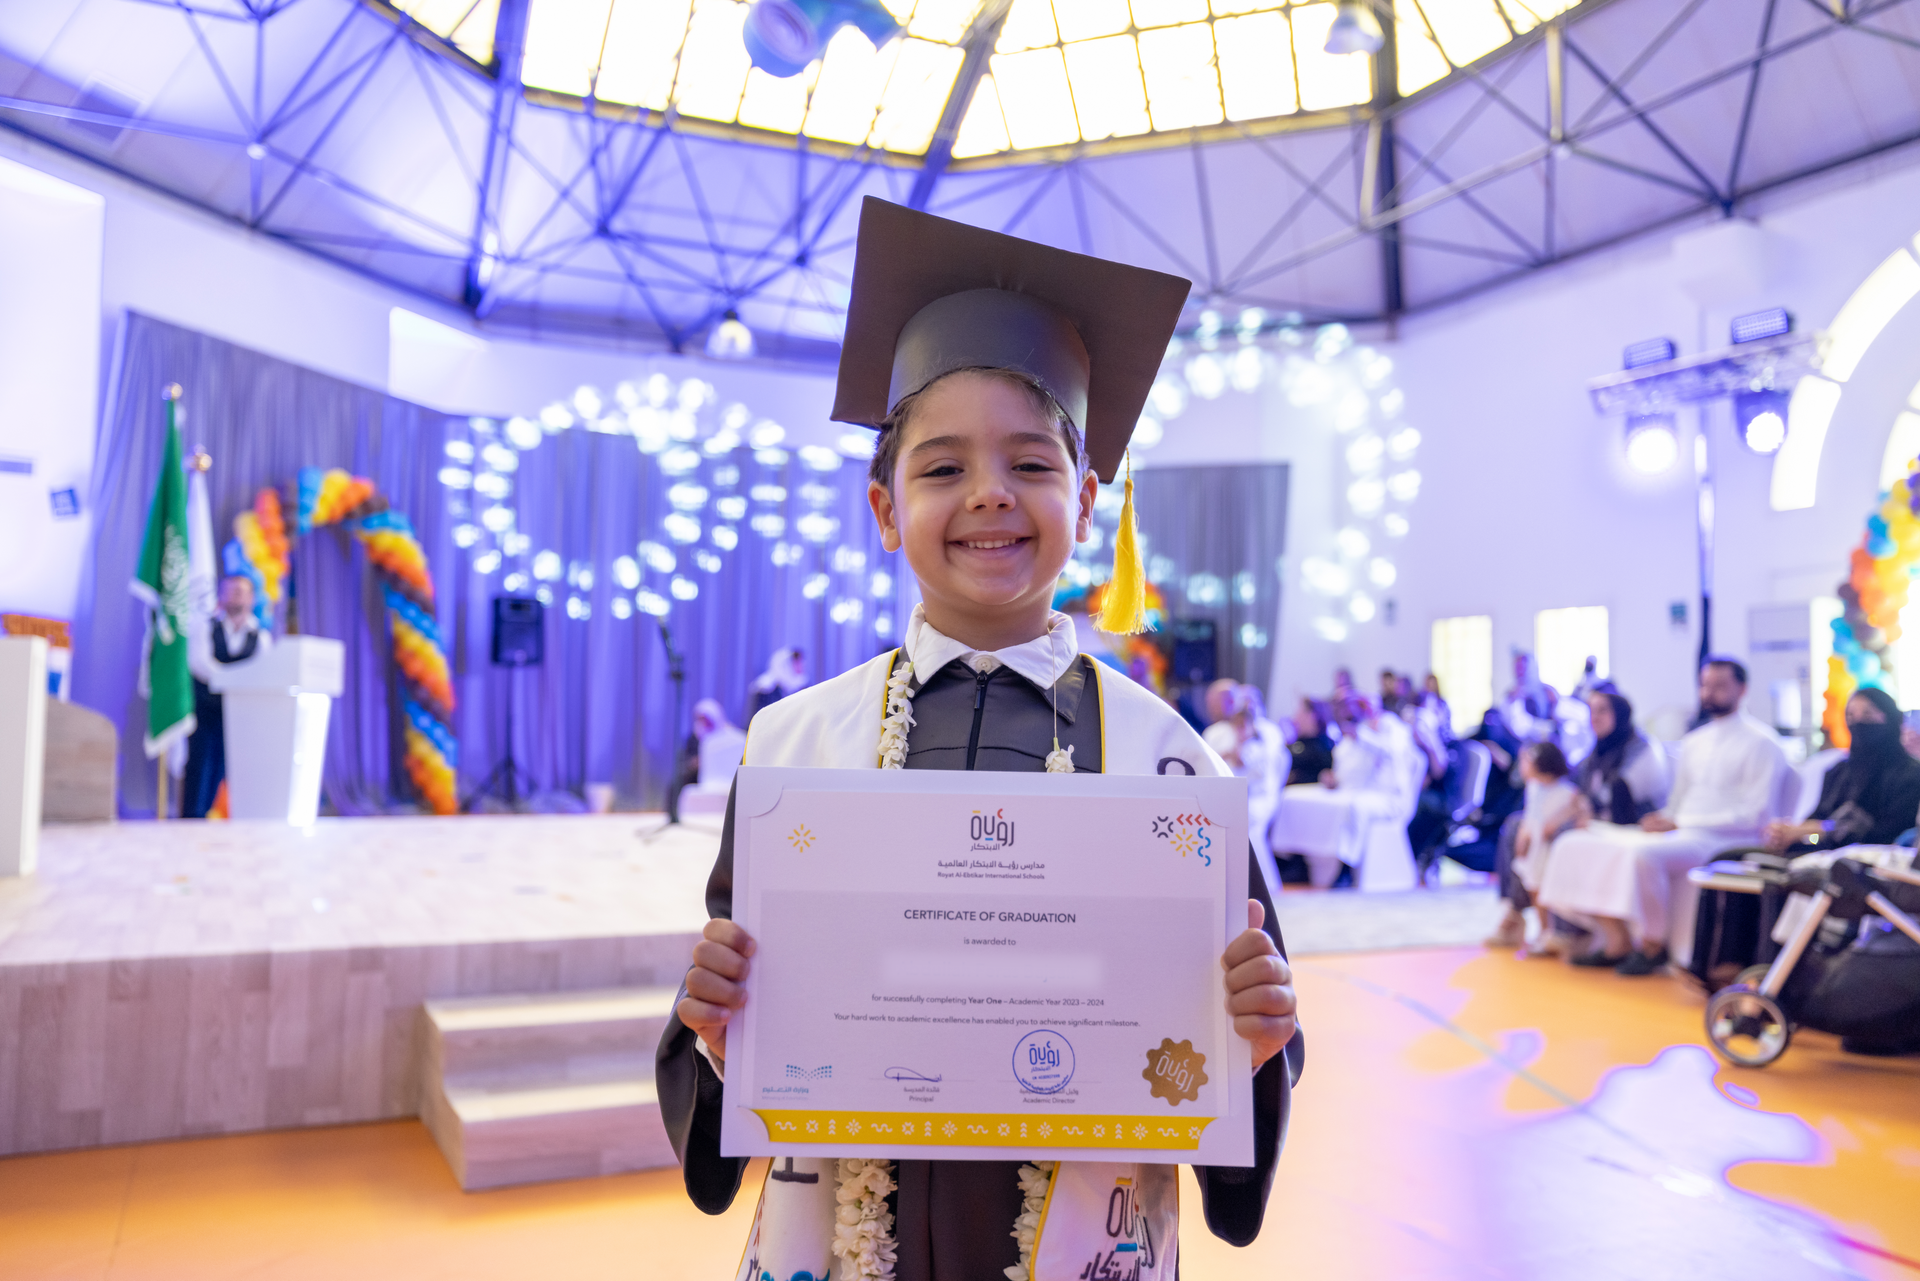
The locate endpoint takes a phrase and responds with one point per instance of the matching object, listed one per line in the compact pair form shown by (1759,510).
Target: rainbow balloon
(1879,574)
(259,551)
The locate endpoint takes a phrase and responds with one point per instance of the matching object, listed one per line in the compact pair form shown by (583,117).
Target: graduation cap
(931,296)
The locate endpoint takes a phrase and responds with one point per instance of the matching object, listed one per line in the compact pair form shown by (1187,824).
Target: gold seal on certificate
(964,965)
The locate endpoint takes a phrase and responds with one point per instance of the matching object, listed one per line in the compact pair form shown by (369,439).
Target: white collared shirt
(1042,660)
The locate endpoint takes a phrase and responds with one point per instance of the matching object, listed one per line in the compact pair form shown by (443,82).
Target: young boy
(982,359)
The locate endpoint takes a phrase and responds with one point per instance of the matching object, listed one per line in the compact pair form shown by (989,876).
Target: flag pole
(160,807)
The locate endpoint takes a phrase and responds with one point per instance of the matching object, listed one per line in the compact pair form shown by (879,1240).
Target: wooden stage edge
(165,980)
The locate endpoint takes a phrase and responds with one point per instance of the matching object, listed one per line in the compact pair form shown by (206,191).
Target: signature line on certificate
(908,1074)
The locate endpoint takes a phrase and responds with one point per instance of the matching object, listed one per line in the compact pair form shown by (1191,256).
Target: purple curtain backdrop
(601,708)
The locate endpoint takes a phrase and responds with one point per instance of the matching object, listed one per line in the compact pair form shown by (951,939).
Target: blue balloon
(783,36)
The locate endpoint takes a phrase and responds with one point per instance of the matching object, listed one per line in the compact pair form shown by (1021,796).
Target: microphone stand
(677,673)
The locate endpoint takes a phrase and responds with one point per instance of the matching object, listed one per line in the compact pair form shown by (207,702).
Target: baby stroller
(1831,975)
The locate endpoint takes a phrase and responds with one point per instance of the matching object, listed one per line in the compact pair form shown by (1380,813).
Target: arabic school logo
(990,831)
(801,837)
(1187,833)
(1176,1071)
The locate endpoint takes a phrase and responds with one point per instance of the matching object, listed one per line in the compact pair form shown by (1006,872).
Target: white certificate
(972,966)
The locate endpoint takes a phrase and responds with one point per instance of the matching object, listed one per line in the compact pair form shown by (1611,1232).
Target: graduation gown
(953,1219)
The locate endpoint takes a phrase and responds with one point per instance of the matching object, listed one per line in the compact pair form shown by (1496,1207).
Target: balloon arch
(259,551)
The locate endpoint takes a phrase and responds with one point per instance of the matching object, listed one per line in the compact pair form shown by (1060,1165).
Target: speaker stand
(677,673)
(505,779)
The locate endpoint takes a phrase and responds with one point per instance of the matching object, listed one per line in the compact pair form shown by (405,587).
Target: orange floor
(1464,1115)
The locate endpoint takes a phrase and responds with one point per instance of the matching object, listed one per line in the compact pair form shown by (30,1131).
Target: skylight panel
(851,77)
(915,95)
(1090,19)
(1419,59)
(771,102)
(1166,13)
(1227,8)
(713,65)
(1255,66)
(1035,99)
(563,44)
(943,20)
(1467,29)
(466,24)
(1525,15)
(642,43)
(983,130)
(1029,25)
(1107,93)
(1182,90)
(1327,80)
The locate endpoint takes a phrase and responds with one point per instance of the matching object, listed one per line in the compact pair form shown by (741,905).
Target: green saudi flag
(161,584)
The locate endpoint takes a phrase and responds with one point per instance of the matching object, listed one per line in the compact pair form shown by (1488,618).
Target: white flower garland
(863,1233)
(1035,1179)
(863,1227)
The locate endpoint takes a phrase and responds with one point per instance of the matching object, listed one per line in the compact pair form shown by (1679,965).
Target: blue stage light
(1650,351)
(1771,323)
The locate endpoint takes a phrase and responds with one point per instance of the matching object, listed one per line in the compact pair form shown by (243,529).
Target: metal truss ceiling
(348,131)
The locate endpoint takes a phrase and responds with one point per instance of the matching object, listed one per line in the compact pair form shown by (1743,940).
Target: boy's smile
(987,504)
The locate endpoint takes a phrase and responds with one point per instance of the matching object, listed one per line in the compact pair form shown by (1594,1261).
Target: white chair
(1386,861)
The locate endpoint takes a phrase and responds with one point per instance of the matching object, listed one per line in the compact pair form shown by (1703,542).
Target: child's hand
(1259,988)
(713,984)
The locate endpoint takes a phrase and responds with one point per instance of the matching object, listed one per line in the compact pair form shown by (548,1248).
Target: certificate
(965,966)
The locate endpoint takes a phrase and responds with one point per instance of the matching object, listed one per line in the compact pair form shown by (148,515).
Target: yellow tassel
(1124,609)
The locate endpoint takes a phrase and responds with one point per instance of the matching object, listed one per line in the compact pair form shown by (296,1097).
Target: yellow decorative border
(984,1129)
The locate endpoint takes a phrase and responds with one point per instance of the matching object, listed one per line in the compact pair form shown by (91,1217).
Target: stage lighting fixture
(1355,29)
(730,339)
(1650,351)
(1761,419)
(1652,445)
(1771,323)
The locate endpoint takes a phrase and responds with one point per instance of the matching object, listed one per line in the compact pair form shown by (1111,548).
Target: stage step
(525,1089)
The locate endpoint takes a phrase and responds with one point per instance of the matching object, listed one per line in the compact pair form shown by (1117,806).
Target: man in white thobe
(1631,884)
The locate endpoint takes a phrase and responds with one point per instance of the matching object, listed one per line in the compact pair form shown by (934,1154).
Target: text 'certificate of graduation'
(967,966)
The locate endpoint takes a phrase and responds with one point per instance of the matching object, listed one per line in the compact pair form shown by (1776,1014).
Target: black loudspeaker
(1196,651)
(519,639)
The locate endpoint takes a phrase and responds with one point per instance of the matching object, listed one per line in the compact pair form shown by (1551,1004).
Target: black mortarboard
(931,296)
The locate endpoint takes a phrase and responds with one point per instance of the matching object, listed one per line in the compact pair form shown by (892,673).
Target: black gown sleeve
(688,1088)
(1234,1198)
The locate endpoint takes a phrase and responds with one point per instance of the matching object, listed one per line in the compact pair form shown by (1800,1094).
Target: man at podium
(235,636)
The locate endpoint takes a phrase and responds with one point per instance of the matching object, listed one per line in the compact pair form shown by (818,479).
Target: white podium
(276,709)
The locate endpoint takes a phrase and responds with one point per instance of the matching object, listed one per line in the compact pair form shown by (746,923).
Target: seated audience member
(1312,746)
(1870,797)
(1726,787)
(1551,806)
(1222,732)
(1389,690)
(1529,704)
(1263,763)
(786,672)
(712,756)
(1429,824)
(1624,778)
(1430,697)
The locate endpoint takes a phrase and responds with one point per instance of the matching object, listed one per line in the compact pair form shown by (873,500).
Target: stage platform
(161,980)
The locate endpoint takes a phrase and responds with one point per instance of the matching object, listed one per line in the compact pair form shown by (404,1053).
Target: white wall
(50,249)
(1528,503)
